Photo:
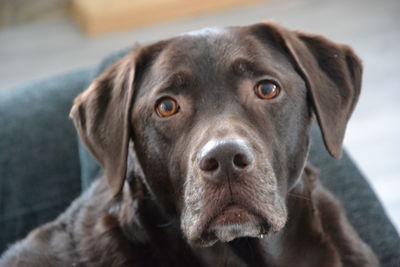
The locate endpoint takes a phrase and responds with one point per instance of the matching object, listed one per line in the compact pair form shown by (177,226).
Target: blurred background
(42,38)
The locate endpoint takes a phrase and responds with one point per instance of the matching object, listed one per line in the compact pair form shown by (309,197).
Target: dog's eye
(167,107)
(267,89)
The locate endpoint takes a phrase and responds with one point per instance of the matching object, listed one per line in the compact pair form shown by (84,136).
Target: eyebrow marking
(243,66)
(176,80)
(180,78)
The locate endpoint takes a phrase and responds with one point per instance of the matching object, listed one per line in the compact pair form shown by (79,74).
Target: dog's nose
(225,159)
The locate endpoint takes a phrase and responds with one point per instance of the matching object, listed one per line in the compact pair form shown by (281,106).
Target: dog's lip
(232,215)
(234,211)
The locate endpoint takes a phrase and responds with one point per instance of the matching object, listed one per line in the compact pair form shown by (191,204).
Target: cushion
(39,163)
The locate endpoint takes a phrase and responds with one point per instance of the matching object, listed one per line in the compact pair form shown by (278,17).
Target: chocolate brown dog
(204,140)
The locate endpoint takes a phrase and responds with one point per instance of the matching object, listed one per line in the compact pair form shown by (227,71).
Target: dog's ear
(101,116)
(332,73)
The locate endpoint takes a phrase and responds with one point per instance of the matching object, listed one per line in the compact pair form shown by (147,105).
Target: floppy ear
(101,116)
(332,73)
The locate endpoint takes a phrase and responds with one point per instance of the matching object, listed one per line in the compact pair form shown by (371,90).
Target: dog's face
(223,120)
(219,120)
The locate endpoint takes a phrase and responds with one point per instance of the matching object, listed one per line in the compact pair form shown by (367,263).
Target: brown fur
(156,206)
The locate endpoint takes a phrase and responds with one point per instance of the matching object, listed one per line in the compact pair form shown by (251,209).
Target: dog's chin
(232,222)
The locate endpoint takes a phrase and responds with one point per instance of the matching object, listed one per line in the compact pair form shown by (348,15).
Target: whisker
(299,196)
(163,225)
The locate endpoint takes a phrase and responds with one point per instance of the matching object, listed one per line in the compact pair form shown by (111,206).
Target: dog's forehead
(210,58)
(209,43)
(207,49)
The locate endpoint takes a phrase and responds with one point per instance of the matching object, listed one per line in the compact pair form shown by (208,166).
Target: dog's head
(219,120)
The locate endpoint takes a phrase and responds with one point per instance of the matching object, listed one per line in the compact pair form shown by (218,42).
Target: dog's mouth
(249,206)
(231,222)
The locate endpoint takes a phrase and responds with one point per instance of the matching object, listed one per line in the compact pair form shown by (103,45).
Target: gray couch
(43,167)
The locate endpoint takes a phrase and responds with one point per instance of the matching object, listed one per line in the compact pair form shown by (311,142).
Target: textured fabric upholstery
(39,163)
(365,212)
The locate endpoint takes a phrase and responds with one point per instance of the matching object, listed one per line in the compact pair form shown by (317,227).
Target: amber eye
(267,89)
(167,107)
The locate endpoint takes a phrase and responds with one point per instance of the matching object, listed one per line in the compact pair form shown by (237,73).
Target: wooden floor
(371,27)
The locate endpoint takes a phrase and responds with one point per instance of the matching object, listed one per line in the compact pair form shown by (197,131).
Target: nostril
(241,160)
(209,164)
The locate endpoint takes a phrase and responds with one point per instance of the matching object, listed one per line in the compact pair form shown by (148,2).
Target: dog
(204,140)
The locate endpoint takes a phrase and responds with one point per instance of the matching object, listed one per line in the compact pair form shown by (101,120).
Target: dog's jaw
(235,221)
(224,227)
(214,215)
